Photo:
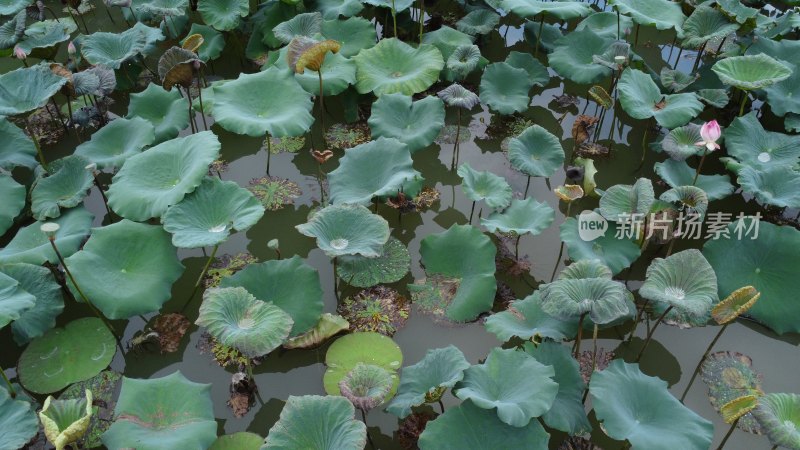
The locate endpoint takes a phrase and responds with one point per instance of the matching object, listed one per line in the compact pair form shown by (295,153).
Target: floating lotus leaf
(602,299)
(523,216)
(504,88)
(585,268)
(766,263)
(26,89)
(662,14)
(290,284)
(621,201)
(639,408)
(14,300)
(213,41)
(36,281)
(414,123)
(680,142)
(207,216)
(16,148)
(66,355)
(332,9)
(66,421)
(604,24)
(338,72)
(458,96)
(717,98)
(704,25)
(17,420)
(301,25)
(151,182)
(519,386)
(469,426)
(447,40)
(396,5)
(561,9)
(641,99)
(752,145)
(616,253)
(65,186)
(678,173)
(366,386)
(354,34)
(11,7)
(464,253)
(126,268)
(161,9)
(574,57)
(237,319)
(113,49)
(427,380)
(779,417)
(163,413)
(567,413)
(537,71)
(166,110)
(111,145)
(238,441)
(328,326)
(224,15)
(526,319)
(285,113)
(478,21)
(360,347)
(729,376)
(777,185)
(394,66)
(391,266)
(780,95)
(330,417)
(536,152)
(491,188)
(688,199)
(31,245)
(734,305)
(737,10)
(751,71)
(379,309)
(675,80)
(13,196)
(464,59)
(176,67)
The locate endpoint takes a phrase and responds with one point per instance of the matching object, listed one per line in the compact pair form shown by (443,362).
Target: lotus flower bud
(19,53)
(710,132)
(50,229)
(71,48)
(273,244)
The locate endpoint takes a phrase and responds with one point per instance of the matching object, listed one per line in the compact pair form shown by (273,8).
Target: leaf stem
(700,363)
(652,331)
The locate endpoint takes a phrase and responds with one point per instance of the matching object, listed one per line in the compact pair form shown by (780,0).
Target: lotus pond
(399,224)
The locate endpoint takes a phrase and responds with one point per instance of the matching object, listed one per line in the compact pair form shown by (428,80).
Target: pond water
(672,356)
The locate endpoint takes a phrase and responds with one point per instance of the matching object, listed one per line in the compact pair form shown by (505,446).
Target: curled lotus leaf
(737,408)
(621,201)
(66,421)
(585,268)
(464,59)
(447,39)
(662,14)
(18,420)
(735,304)
(301,25)
(394,66)
(729,376)
(379,309)
(504,88)
(569,192)
(680,142)
(45,34)
(458,96)
(31,245)
(391,266)
(678,173)
(64,186)
(526,319)
(223,15)
(605,23)
(536,152)
(366,386)
(329,325)
(166,110)
(641,98)
(303,52)
(331,418)
(484,185)
(122,138)
(688,199)
(675,80)
(13,30)
(602,299)
(414,123)
(26,89)
(705,25)
(13,196)
(177,67)
(779,417)
(751,71)
(521,217)
(717,98)
(537,71)
(114,49)
(365,348)
(777,185)
(332,9)
(478,21)
(684,280)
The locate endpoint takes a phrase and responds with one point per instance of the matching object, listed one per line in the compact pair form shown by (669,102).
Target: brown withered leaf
(583,127)
(170,328)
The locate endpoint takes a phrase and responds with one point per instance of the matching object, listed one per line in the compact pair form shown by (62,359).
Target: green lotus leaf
(286,113)
(767,263)
(16,148)
(602,299)
(751,72)
(151,182)
(36,281)
(328,326)
(162,413)
(621,201)
(752,145)
(31,245)
(290,284)
(491,188)
(396,5)
(604,24)
(414,123)
(14,300)
(160,9)
(330,417)
(675,80)
(689,199)
(46,33)
(347,230)
(504,88)
(639,408)
(26,89)
(213,41)
(459,97)
(394,66)
(777,185)
(717,98)
(111,145)
(680,142)
(464,253)
(304,24)
(662,14)
(360,347)
(13,30)
(537,71)
(561,9)
(13,196)
(113,49)
(536,152)
(427,380)
(238,441)
(207,216)
(126,268)
(730,375)
(463,60)
(737,10)
(391,266)
(706,24)
(567,413)
(332,9)
(478,21)
(616,253)
(779,416)
(239,320)
(641,99)
(447,40)
(526,319)
(366,386)
(574,57)
(17,420)
(66,421)
(66,355)
(12,7)
(65,186)
(519,386)
(550,34)
(354,34)
(223,15)
(166,110)
(792,122)
(338,74)
(523,216)
(469,426)
(585,268)
(780,95)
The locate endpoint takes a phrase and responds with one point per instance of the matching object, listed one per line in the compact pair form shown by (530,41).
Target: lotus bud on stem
(274,244)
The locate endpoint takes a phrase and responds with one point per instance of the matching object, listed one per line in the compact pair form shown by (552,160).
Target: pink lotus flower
(71,48)
(710,132)
(19,53)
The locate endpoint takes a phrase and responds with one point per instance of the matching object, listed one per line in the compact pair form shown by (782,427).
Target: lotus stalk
(539,35)
(200,98)
(745,95)
(38,146)
(729,433)
(10,386)
(699,57)
(421,19)
(456,146)
(394,18)
(652,331)
(578,337)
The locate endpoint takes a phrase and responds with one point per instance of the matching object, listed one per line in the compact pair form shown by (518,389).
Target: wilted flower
(569,192)
(19,53)
(710,132)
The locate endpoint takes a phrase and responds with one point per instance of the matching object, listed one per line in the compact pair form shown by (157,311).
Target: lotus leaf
(779,416)
(504,88)
(776,185)
(427,380)
(301,25)
(680,142)
(223,15)
(166,110)
(675,80)
(523,216)
(737,10)
(354,34)
(491,188)
(394,66)
(641,99)
(331,419)
(332,9)
(780,95)
(65,186)
(347,230)
(391,266)
(621,201)
(328,326)
(729,376)
(111,145)
(717,98)
(360,347)
(337,71)
(11,7)
(706,24)
(751,71)
(38,282)
(46,33)
(616,253)
(574,57)
(160,9)
(396,5)
(113,49)
(639,408)
(561,9)
(13,196)
(604,24)
(13,30)
(177,67)
(752,145)
(14,300)
(66,421)
(734,305)
(31,245)
(458,96)
(17,420)
(526,320)
(414,123)
(163,413)
(478,21)
(213,41)
(602,299)
(447,40)
(537,71)
(366,386)
(238,441)
(126,268)
(23,90)
(536,152)
(290,284)
(16,148)
(688,199)
(662,14)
